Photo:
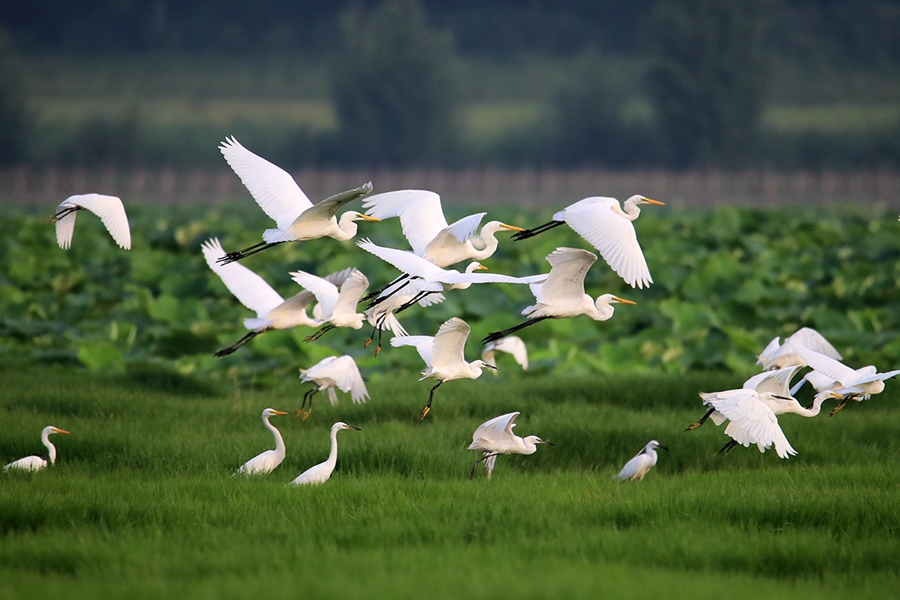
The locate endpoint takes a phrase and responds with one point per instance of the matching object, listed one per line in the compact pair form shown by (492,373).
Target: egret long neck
(347,227)
(599,311)
(816,407)
(51,449)
(332,456)
(631,211)
(279,441)
(490,244)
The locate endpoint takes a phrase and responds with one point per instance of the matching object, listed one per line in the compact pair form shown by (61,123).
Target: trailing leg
(702,420)
(238,344)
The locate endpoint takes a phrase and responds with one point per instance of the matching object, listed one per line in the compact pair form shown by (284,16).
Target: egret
(602,222)
(512,345)
(329,373)
(322,471)
(36,463)
(272,311)
(338,306)
(640,465)
(276,192)
(268,460)
(562,293)
(495,437)
(108,208)
(444,355)
(777,355)
(382,315)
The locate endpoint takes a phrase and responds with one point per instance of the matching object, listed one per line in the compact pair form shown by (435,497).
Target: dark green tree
(709,76)
(15,118)
(393,87)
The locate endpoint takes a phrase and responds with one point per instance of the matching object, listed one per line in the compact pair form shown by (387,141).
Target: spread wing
(326,293)
(450,343)
(776,382)
(404,260)
(328,207)
(566,278)
(827,366)
(422,343)
(342,370)
(513,345)
(108,208)
(420,212)
(498,429)
(351,291)
(752,422)
(812,339)
(250,289)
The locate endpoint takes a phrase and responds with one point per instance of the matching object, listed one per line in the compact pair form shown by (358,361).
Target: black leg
(322,331)
(415,299)
(238,344)
(524,235)
(63,213)
(727,447)
(249,251)
(702,420)
(430,398)
(376,293)
(486,456)
(307,398)
(492,337)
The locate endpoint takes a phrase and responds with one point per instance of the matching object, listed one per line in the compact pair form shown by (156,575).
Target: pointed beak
(540,441)
(658,203)
(55,430)
(482,268)
(662,448)
(623,300)
(489,366)
(511,227)
(352,427)
(279,412)
(368,218)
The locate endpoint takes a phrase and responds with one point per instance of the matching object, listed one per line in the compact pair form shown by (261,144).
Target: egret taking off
(108,208)
(495,437)
(36,463)
(276,192)
(329,373)
(562,294)
(511,344)
(338,306)
(609,229)
(268,460)
(322,471)
(640,465)
(444,355)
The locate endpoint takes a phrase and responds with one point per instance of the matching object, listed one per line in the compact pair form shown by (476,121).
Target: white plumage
(108,208)
(855,384)
(334,372)
(338,305)
(322,471)
(495,437)
(267,461)
(512,345)
(36,463)
(640,465)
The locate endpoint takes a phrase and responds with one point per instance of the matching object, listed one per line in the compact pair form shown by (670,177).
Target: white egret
(272,311)
(381,315)
(338,306)
(512,345)
(276,192)
(562,293)
(268,460)
(609,229)
(329,373)
(108,208)
(777,355)
(444,355)
(640,465)
(36,463)
(495,437)
(322,471)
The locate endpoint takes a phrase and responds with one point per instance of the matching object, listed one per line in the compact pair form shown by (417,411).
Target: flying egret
(444,355)
(777,355)
(268,460)
(329,373)
(562,293)
(640,465)
(495,437)
(108,208)
(276,192)
(338,306)
(609,229)
(322,471)
(512,345)
(36,463)
(272,311)
(381,314)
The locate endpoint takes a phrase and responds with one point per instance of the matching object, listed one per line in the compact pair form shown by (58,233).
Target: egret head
(52,429)
(638,199)
(480,364)
(475,266)
(653,445)
(497,226)
(271,412)
(358,216)
(342,425)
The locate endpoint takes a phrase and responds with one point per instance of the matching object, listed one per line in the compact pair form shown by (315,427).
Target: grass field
(142,503)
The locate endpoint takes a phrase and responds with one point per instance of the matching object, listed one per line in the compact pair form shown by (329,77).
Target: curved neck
(600,311)
(332,456)
(347,227)
(51,449)
(279,441)
(490,244)
(631,210)
(810,412)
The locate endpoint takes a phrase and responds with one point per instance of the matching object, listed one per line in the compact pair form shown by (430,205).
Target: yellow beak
(368,218)
(511,227)
(623,300)
(55,430)
(279,412)
(657,202)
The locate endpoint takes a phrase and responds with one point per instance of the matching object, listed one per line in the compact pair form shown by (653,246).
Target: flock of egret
(425,276)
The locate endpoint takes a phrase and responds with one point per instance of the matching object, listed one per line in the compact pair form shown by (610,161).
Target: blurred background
(503,101)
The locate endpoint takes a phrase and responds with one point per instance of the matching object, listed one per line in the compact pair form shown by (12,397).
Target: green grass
(142,502)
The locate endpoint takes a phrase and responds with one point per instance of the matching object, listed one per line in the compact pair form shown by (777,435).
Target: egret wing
(328,207)
(351,291)
(566,278)
(776,382)
(424,344)
(404,260)
(496,431)
(826,365)
(455,233)
(764,356)
(450,344)
(420,212)
(111,213)
(326,293)
(515,346)
(812,339)
(751,421)
(250,289)
(65,227)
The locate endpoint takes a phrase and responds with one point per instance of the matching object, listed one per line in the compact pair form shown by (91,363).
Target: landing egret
(108,208)
(322,471)
(562,293)
(36,463)
(276,192)
(640,465)
(495,437)
(444,355)
(268,460)
(609,229)
(338,306)
(329,373)
(512,345)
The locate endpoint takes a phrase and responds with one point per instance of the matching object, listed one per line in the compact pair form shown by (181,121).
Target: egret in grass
(272,311)
(329,373)
(36,463)
(512,345)
(640,465)
(444,355)
(338,305)
(268,460)
(609,228)
(322,471)
(495,437)
(562,293)
(108,208)
(297,219)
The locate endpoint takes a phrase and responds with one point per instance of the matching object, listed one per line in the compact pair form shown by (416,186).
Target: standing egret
(322,471)
(338,306)
(512,345)
(329,373)
(276,192)
(495,437)
(36,463)
(272,311)
(609,229)
(562,293)
(640,465)
(108,208)
(268,460)
(444,355)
